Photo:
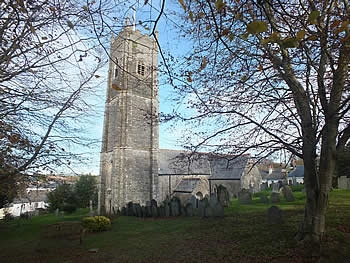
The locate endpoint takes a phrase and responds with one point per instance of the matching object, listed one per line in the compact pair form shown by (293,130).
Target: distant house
(296,176)
(32,200)
(184,174)
(273,175)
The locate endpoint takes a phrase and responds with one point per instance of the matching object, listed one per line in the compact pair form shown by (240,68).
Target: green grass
(243,235)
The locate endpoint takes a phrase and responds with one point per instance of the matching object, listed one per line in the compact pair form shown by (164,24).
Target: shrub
(69,208)
(96,223)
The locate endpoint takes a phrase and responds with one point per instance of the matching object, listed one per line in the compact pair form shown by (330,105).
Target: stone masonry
(129,156)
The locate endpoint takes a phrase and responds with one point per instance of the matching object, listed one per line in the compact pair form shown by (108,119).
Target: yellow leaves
(301,34)
(335,24)
(289,42)
(70,24)
(85,8)
(256,27)
(343,27)
(313,16)
(182,3)
(220,5)
(204,63)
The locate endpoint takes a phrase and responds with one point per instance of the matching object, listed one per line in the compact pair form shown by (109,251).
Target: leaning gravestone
(223,195)
(130,209)
(275,197)
(263,186)
(274,215)
(287,193)
(245,196)
(215,207)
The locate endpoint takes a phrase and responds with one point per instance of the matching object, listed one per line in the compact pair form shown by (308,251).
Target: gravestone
(274,215)
(202,205)
(162,211)
(287,193)
(263,186)
(143,211)
(343,182)
(167,209)
(154,209)
(91,211)
(137,210)
(175,206)
(130,209)
(123,212)
(223,195)
(189,209)
(215,207)
(275,197)
(148,209)
(294,180)
(193,201)
(275,188)
(245,196)
(57,211)
(264,199)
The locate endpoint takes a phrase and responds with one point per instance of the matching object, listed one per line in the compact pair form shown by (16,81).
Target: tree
(63,198)
(86,189)
(266,76)
(49,65)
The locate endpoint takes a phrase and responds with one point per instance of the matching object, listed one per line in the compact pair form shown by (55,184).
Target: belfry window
(141,69)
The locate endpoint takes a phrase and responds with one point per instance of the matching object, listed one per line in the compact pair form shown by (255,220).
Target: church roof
(297,172)
(187,185)
(217,167)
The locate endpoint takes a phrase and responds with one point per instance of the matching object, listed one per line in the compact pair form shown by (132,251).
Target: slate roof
(187,185)
(276,174)
(297,172)
(217,167)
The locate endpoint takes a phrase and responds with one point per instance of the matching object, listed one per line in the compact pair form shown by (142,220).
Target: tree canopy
(266,76)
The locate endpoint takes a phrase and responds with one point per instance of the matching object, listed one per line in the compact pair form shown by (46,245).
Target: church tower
(129,156)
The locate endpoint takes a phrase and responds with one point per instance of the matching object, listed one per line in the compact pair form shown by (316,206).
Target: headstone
(123,212)
(274,215)
(137,210)
(202,205)
(263,186)
(162,211)
(91,211)
(154,208)
(287,193)
(189,209)
(223,195)
(130,209)
(216,209)
(193,201)
(294,180)
(343,182)
(175,206)
(148,209)
(143,210)
(245,196)
(275,188)
(264,199)
(62,213)
(167,209)
(57,211)
(275,197)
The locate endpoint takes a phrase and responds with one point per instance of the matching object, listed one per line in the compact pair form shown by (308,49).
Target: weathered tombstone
(223,195)
(275,188)
(137,210)
(189,209)
(130,209)
(274,215)
(167,209)
(202,205)
(294,180)
(175,206)
(263,186)
(154,208)
(216,209)
(143,210)
(287,193)
(148,209)
(245,196)
(275,197)
(123,212)
(57,211)
(162,211)
(264,199)
(193,201)
(62,213)
(343,182)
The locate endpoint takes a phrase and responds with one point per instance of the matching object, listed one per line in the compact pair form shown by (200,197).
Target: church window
(141,69)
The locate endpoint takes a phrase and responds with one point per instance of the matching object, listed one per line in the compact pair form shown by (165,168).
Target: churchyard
(246,233)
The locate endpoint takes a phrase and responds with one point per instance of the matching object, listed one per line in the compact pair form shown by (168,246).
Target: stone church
(133,168)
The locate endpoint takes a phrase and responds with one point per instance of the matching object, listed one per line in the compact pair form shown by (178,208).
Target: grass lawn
(241,236)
